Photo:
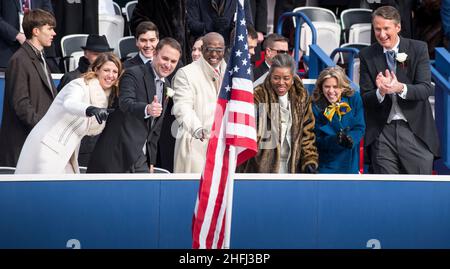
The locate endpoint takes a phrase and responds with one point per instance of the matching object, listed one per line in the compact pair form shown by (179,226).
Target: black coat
(75,17)
(27,98)
(201,15)
(259,15)
(9,26)
(169,16)
(415,73)
(83,66)
(260,70)
(136,60)
(126,131)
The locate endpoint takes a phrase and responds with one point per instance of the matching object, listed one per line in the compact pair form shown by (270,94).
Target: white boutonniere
(169,92)
(401,57)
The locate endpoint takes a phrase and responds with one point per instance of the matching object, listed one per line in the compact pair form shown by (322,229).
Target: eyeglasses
(280,51)
(218,50)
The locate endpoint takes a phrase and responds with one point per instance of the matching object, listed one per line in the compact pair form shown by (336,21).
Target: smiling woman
(80,109)
(286,140)
(339,128)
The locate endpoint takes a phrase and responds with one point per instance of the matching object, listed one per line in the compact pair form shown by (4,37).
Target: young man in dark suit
(401,135)
(29,88)
(147,37)
(130,138)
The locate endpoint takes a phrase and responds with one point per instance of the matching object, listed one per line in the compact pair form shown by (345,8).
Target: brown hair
(98,63)
(170,42)
(144,27)
(331,72)
(388,13)
(36,18)
(272,38)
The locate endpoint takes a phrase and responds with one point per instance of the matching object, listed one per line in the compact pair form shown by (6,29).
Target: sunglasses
(218,50)
(280,51)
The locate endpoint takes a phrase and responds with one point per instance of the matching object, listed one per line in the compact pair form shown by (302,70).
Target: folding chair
(129,7)
(69,45)
(354,16)
(127,47)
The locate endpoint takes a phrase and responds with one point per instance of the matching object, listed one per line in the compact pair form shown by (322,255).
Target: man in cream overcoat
(196,89)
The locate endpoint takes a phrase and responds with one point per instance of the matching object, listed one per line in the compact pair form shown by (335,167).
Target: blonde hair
(332,72)
(98,63)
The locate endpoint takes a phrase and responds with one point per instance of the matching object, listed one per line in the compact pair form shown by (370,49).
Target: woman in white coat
(79,109)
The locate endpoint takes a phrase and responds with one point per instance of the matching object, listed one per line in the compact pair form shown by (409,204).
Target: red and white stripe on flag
(234,126)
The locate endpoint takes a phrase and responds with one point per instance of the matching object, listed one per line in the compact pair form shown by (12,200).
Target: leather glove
(344,140)
(101,114)
(310,169)
(220,23)
(201,133)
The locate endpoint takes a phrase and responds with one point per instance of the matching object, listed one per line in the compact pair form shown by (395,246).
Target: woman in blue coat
(339,127)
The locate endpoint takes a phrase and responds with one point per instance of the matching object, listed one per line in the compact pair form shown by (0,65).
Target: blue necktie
(390,59)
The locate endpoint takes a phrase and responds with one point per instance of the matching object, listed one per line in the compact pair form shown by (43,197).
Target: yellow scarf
(340,108)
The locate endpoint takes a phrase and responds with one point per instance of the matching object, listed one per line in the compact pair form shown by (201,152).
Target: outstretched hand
(101,114)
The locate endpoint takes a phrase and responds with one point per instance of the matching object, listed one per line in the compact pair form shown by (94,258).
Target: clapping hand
(388,83)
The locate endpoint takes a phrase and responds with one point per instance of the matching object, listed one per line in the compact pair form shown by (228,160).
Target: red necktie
(25,6)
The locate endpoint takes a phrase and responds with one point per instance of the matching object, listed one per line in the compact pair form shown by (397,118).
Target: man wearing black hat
(95,44)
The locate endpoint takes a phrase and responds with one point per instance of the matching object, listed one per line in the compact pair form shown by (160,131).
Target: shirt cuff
(145,113)
(403,93)
(379,96)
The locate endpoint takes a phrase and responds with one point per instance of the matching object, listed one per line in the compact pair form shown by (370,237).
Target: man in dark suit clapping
(401,135)
(130,138)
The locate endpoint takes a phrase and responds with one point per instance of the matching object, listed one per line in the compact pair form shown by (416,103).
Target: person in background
(80,109)
(196,88)
(445,16)
(129,143)
(259,15)
(11,16)
(147,37)
(205,16)
(395,79)
(29,87)
(170,17)
(95,45)
(197,49)
(285,123)
(340,126)
(273,45)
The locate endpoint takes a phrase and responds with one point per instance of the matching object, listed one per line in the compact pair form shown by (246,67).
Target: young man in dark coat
(10,36)
(129,141)
(29,88)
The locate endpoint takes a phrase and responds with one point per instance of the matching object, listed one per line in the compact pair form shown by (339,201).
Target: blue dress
(334,158)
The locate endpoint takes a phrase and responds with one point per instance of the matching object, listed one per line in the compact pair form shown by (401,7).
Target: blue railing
(299,17)
(440,72)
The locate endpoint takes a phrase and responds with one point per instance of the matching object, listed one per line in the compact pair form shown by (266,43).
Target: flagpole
(232,169)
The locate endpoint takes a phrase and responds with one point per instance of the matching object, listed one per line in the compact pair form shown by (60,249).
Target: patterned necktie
(25,6)
(159,89)
(390,59)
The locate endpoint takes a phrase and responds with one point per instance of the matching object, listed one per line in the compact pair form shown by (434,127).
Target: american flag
(233,128)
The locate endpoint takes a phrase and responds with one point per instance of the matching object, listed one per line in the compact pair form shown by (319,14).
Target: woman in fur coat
(79,109)
(285,123)
(340,123)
